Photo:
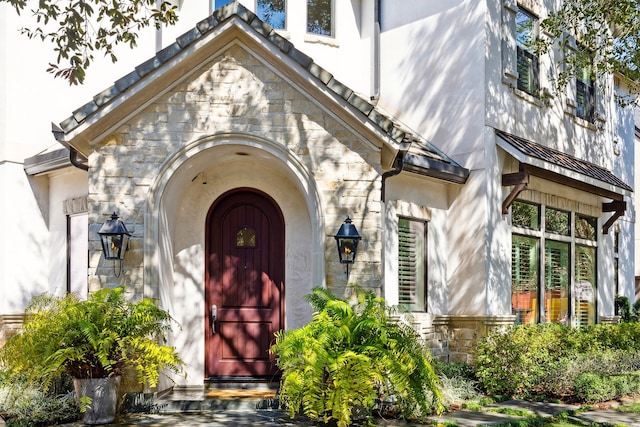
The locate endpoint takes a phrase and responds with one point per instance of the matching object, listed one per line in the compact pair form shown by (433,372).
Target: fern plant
(93,338)
(352,357)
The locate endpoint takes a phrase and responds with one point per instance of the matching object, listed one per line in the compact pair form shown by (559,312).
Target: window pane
(320,17)
(557,221)
(412,265)
(217,4)
(527,60)
(524,279)
(556,279)
(246,238)
(585,88)
(272,12)
(586,227)
(585,289)
(525,215)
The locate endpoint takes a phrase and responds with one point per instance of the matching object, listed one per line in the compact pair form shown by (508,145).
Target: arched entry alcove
(175,224)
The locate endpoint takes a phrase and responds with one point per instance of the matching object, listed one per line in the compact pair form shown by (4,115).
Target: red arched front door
(244,292)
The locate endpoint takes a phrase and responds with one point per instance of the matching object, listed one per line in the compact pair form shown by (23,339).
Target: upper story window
(272,12)
(528,62)
(585,87)
(320,17)
(217,4)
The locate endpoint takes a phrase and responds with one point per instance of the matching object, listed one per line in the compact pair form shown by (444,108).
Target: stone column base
(10,324)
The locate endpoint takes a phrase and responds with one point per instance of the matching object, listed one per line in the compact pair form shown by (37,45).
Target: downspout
(399,162)
(73,158)
(375,61)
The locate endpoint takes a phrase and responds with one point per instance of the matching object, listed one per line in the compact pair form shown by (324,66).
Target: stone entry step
(222,396)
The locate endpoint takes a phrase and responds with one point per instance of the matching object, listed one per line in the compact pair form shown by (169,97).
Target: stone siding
(236,94)
(452,338)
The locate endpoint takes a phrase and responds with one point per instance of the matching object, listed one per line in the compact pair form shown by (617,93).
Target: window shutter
(411,265)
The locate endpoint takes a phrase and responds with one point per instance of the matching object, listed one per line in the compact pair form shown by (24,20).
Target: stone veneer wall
(236,94)
(452,338)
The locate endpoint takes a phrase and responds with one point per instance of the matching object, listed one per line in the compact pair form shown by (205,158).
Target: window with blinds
(524,278)
(412,265)
(584,297)
(556,292)
(565,243)
(527,60)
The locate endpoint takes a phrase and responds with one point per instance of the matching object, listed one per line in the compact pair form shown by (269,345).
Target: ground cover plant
(352,359)
(551,361)
(24,405)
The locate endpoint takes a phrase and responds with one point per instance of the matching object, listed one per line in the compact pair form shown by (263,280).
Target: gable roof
(392,136)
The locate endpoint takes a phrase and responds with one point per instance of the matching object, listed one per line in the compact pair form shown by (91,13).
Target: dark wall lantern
(114,237)
(347,239)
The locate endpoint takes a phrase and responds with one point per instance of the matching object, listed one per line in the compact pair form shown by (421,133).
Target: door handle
(214,316)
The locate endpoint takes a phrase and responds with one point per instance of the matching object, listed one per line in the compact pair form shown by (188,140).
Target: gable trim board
(234,24)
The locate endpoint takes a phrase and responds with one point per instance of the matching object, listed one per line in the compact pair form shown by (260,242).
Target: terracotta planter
(104,398)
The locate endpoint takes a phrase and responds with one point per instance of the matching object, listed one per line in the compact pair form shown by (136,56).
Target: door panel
(245,236)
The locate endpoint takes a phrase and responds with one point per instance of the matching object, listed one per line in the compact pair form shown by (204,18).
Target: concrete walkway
(232,413)
(461,418)
(464,418)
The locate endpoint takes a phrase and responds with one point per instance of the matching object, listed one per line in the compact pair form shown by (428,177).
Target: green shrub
(530,360)
(626,311)
(592,387)
(455,370)
(353,358)
(515,361)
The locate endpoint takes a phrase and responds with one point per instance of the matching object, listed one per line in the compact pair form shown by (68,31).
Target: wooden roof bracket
(520,181)
(618,207)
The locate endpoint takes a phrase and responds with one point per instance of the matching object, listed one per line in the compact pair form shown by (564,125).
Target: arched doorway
(244,289)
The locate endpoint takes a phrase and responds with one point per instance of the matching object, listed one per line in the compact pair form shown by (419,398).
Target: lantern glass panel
(347,249)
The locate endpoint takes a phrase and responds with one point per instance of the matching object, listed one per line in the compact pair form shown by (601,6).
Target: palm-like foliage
(351,357)
(95,338)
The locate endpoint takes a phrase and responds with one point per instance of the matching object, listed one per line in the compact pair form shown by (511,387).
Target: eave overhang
(555,166)
(47,162)
(559,167)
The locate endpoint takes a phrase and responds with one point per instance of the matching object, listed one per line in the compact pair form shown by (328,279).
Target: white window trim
(394,210)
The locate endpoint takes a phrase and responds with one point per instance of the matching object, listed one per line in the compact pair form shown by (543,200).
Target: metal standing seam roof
(564,160)
(426,157)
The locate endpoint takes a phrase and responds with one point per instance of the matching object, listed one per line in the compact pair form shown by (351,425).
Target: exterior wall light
(347,239)
(114,237)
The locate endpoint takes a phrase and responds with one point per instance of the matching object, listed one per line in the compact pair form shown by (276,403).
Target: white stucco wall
(69,183)
(24,252)
(432,73)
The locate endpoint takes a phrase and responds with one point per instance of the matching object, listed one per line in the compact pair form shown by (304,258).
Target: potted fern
(93,341)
